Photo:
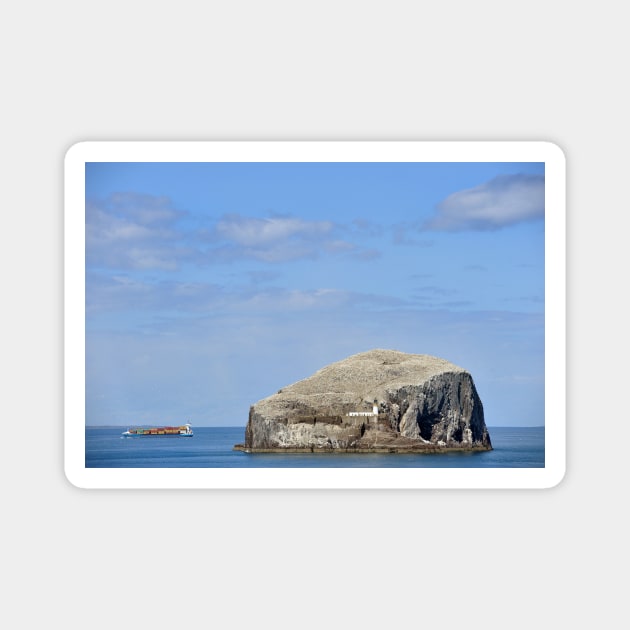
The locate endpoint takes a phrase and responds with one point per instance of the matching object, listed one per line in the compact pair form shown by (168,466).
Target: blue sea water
(212,447)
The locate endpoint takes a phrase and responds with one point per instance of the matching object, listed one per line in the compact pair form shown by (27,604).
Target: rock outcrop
(376,401)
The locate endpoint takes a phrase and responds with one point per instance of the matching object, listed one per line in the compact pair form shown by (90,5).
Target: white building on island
(370,414)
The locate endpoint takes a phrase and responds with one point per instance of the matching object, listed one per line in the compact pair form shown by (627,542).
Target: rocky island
(381,401)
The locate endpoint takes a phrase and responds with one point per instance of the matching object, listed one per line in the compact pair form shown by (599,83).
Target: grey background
(302,71)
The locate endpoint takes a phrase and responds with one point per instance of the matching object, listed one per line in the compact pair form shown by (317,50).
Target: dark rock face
(423,404)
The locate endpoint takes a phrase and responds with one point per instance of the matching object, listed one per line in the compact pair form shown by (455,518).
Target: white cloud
(127,294)
(254,232)
(503,201)
(165,299)
(130,231)
(143,209)
(288,300)
(276,239)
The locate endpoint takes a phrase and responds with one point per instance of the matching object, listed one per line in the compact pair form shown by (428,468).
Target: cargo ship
(183,431)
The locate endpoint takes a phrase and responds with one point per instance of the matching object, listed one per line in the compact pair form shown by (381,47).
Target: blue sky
(212,285)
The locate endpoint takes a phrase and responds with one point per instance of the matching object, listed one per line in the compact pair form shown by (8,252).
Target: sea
(212,447)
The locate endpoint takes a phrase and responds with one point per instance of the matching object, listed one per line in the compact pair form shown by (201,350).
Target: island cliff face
(376,401)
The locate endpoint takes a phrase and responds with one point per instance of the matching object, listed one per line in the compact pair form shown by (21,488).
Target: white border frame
(316,478)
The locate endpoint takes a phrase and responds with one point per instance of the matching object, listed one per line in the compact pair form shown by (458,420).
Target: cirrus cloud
(256,232)
(276,239)
(132,231)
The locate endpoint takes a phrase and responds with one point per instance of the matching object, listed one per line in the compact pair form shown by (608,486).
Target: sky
(212,285)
